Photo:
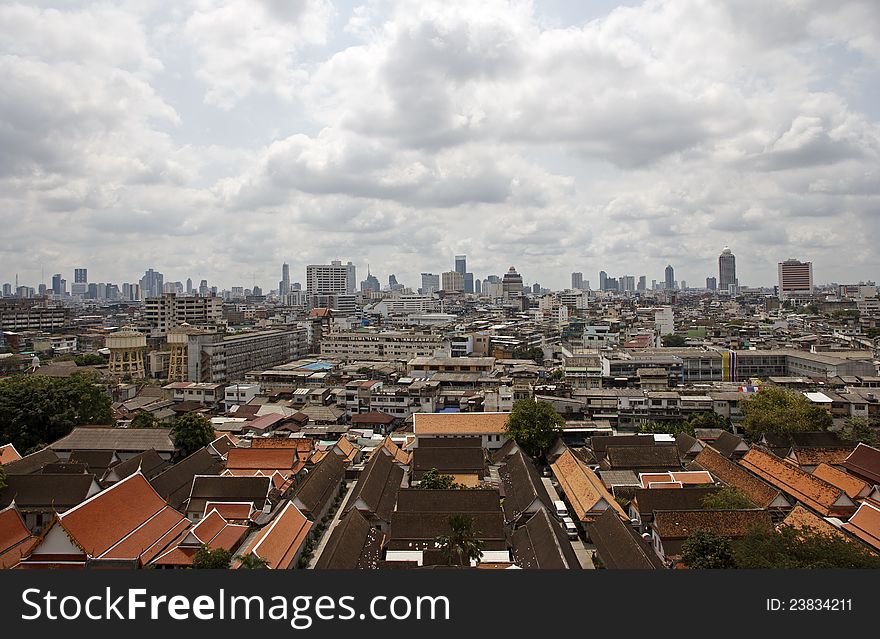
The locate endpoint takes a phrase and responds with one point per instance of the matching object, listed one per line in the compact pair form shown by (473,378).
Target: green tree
(707,549)
(144,420)
(434,480)
(777,410)
(190,432)
(2,476)
(218,558)
(251,561)
(805,547)
(462,544)
(669,428)
(36,409)
(534,426)
(861,429)
(708,419)
(728,498)
(89,359)
(673,340)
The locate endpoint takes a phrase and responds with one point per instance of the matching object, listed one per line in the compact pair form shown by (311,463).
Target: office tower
(684,285)
(284,284)
(536,289)
(577,281)
(80,276)
(670,278)
(257,292)
(478,287)
(203,288)
(189,286)
(628,283)
(468,282)
(711,283)
(795,278)
(461,264)
(643,284)
(41,290)
(603,280)
(452,281)
(726,269)
(296,286)
(7,290)
(335,277)
(371,284)
(152,283)
(511,284)
(430,283)
(56,284)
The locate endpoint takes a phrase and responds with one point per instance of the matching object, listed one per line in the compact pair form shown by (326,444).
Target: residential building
(795,279)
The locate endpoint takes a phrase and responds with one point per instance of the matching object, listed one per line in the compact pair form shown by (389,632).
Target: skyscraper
(430,283)
(80,276)
(795,278)
(511,284)
(478,287)
(711,283)
(577,281)
(461,264)
(670,278)
(152,284)
(284,284)
(726,269)
(189,286)
(59,284)
(452,281)
(468,282)
(603,280)
(643,284)
(335,277)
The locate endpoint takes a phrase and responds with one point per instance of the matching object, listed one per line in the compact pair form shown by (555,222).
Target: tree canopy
(708,419)
(707,549)
(534,426)
(673,340)
(462,544)
(861,429)
(668,428)
(777,410)
(190,432)
(251,561)
(37,410)
(435,480)
(218,558)
(144,420)
(790,547)
(728,498)
(89,359)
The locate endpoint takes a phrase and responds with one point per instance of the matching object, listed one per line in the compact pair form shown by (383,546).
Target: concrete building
(127,354)
(453,281)
(335,277)
(430,283)
(726,270)
(795,279)
(670,278)
(217,358)
(511,284)
(152,284)
(170,311)
(577,281)
(386,346)
(25,314)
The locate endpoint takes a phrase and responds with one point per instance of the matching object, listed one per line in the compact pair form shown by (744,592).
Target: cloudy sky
(217,139)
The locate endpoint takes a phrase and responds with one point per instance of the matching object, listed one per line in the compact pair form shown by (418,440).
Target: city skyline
(140,137)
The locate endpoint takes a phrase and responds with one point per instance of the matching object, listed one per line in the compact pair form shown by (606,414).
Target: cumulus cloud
(217,139)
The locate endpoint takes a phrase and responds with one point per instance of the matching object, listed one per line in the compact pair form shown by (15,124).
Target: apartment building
(385,346)
(25,315)
(169,311)
(228,358)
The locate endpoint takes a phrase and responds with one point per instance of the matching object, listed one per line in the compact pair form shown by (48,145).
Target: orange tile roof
(690,478)
(128,507)
(261,458)
(459,423)
(213,531)
(15,539)
(759,492)
(800,517)
(230,511)
(301,444)
(865,524)
(150,539)
(814,456)
(349,451)
(279,542)
(8,454)
(852,486)
(583,488)
(397,453)
(816,493)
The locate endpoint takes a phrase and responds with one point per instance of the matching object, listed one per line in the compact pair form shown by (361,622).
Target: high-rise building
(452,281)
(478,287)
(628,283)
(726,270)
(511,284)
(204,291)
(430,283)
(336,277)
(643,284)
(80,276)
(577,281)
(371,284)
(603,280)
(670,278)
(189,286)
(795,278)
(7,290)
(152,283)
(711,283)
(284,284)
(461,264)
(56,284)
(468,282)
(536,289)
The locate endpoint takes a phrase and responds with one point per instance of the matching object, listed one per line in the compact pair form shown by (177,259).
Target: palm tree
(462,543)
(252,562)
